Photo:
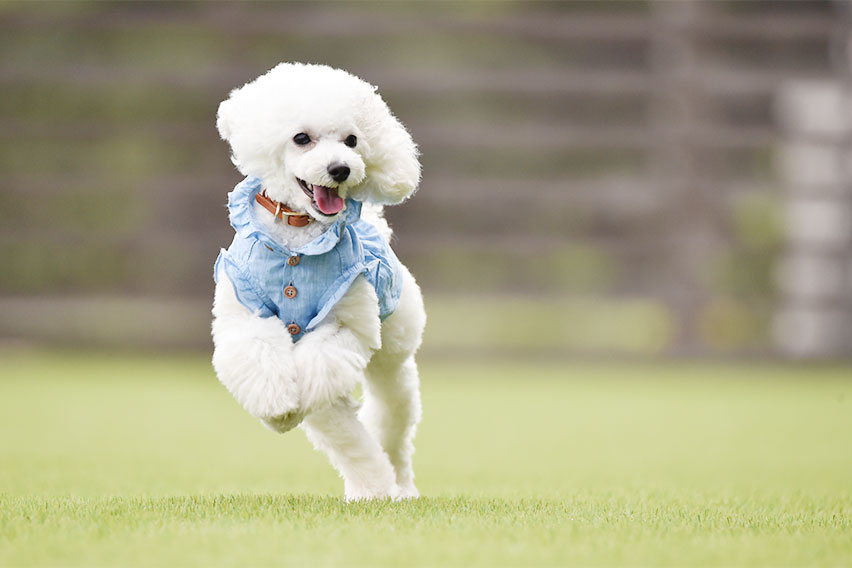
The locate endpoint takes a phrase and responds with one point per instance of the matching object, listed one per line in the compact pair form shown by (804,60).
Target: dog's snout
(338,172)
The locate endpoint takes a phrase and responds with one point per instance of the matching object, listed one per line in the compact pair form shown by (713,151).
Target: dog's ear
(223,122)
(393,167)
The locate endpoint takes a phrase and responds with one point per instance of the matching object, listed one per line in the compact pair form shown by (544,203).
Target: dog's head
(316,136)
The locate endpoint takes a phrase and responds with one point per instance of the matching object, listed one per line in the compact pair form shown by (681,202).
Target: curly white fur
(310,382)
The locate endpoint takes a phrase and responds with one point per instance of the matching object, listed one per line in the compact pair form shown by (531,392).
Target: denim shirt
(301,286)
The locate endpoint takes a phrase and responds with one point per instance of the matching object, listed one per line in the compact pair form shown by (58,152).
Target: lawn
(127,460)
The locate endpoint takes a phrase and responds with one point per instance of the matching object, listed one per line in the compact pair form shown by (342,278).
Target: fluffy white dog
(310,300)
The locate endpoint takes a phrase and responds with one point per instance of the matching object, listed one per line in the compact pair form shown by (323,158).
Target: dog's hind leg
(391,412)
(366,471)
(391,409)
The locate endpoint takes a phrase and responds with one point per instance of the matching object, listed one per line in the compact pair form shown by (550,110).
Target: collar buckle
(279,211)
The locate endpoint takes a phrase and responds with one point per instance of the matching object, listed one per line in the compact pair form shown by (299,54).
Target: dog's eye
(301,139)
(351,140)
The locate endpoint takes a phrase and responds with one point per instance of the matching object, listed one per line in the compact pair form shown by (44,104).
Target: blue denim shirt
(320,272)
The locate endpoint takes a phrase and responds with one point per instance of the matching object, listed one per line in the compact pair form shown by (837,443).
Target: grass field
(135,461)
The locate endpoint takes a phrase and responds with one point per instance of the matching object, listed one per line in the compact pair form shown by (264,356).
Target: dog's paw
(407,491)
(254,362)
(361,493)
(269,397)
(283,422)
(327,373)
(263,392)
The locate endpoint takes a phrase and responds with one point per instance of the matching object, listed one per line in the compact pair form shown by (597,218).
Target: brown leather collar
(279,210)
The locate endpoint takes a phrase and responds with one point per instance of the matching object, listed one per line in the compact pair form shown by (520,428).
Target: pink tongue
(327,199)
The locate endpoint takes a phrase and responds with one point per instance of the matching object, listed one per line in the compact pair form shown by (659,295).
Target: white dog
(310,299)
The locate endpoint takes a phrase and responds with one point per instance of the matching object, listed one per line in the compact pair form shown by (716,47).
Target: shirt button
(294,329)
(293,260)
(290,292)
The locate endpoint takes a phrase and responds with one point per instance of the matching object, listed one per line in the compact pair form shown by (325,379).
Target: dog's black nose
(338,172)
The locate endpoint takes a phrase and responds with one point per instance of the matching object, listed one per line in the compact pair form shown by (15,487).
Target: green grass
(135,461)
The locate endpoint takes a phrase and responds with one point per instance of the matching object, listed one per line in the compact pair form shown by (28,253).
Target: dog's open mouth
(324,199)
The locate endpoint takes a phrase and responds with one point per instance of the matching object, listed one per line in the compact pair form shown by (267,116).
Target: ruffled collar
(246,225)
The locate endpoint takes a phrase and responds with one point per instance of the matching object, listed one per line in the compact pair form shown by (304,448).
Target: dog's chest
(299,289)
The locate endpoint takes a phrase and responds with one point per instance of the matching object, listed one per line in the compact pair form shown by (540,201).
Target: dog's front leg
(332,358)
(253,359)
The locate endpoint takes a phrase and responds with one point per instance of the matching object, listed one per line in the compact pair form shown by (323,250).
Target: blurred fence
(604,169)
(815,273)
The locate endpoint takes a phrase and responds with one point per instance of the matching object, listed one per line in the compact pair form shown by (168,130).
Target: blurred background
(618,179)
